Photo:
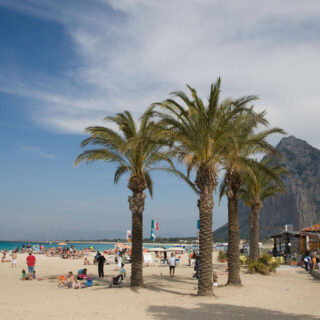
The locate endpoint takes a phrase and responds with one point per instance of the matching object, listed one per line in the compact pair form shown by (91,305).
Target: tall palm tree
(196,132)
(242,144)
(258,185)
(136,152)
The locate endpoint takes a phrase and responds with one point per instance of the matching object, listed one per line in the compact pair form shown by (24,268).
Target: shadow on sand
(221,312)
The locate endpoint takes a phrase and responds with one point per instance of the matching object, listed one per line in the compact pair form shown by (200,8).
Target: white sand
(287,294)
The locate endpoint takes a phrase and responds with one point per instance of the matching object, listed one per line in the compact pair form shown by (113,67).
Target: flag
(154,225)
(129,236)
(152,235)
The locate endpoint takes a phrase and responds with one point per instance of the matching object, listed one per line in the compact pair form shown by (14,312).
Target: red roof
(315,227)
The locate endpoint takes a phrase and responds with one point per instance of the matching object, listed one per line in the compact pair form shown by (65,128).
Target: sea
(12,245)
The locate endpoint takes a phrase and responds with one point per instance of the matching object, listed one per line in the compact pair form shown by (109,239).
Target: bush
(259,267)
(222,255)
(265,259)
(263,265)
(273,266)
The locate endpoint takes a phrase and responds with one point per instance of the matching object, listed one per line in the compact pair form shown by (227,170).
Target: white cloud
(133,53)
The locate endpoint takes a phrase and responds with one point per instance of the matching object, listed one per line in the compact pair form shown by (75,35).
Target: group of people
(82,280)
(13,260)
(311,261)
(71,281)
(31,262)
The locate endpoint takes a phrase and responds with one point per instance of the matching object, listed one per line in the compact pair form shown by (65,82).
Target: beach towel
(89,283)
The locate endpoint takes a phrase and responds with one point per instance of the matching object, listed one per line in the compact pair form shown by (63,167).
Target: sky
(67,64)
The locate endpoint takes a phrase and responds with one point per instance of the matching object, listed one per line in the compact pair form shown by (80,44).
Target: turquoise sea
(7,245)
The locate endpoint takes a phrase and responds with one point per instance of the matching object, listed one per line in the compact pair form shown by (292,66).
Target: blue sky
(67,64)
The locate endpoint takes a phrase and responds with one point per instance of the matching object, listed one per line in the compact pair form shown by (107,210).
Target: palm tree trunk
(254,233)
(136,205)
(233,180)
(206,182)
(205,204)
(233,242)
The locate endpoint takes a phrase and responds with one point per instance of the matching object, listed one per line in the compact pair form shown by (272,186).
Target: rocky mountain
(300,206)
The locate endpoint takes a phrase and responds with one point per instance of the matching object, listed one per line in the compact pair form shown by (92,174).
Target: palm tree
(136,152)
(242,144)
(196,133)
(258,185)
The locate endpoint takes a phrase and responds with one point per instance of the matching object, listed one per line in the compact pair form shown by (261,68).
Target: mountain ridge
(300,206)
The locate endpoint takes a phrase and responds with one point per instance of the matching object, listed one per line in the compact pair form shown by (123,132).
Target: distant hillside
(300,206)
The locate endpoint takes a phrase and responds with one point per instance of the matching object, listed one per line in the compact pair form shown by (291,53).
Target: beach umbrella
(62,244)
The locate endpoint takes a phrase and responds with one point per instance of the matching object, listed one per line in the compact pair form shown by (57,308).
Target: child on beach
(86,262)
(24,276)
(14,260)
(61,281)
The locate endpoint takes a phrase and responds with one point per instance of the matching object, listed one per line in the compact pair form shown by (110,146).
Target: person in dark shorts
(101,261)
(172,264)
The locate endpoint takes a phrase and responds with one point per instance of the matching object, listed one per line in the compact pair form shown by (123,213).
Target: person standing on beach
(307,260)
(172,264)
(31,261)
(101,261)
(14,260)
(196,268)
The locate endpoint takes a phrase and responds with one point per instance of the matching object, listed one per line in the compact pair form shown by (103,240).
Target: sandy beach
(290,293)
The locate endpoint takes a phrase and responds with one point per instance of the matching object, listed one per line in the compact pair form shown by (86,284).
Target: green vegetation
(259,184)
(137,151)
(263,265)
(207,137)
(222,255)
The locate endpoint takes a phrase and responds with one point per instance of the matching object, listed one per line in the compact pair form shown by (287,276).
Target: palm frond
(119,172)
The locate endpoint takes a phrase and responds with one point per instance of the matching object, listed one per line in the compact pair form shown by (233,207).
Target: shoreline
(94,242)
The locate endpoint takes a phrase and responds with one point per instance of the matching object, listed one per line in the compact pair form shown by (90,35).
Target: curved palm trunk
(206,183)
(233,230)
(254,231)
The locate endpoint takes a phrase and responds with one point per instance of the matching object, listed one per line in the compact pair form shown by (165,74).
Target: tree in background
(136,151)
(241,145)
(258,185)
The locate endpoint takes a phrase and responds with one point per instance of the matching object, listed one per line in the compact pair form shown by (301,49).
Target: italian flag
(154,225)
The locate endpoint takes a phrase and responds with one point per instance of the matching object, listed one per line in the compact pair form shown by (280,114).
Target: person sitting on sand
(71,280)
(3,257)
(215,279)
(82,274)
(121,275)
(73,283)
(61,281)
(86,262)
(24,276)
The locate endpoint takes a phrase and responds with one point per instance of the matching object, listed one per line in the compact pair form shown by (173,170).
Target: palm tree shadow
(160,287)
(157,283)
(221,312)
